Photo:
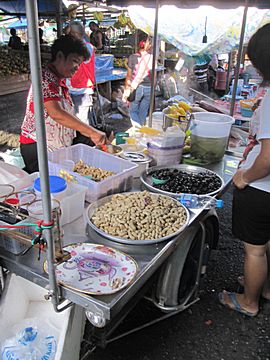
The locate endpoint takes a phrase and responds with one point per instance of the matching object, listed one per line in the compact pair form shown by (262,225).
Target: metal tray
(146,178)
(95,205)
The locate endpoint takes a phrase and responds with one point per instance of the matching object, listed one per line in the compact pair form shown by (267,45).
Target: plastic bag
(10,173)
(33,340)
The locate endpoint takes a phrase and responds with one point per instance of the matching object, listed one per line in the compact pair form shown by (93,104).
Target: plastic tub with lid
(58,187)
(209,135)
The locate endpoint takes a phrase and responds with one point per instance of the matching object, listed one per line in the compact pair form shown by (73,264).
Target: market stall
(107,303)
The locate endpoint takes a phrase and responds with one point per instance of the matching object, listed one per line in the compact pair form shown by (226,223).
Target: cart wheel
(190,269)
(191,266)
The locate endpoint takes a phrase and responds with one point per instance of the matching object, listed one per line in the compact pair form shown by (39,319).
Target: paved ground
(207,331)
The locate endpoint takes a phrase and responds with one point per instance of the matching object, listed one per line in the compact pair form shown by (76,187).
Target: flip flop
(235,304)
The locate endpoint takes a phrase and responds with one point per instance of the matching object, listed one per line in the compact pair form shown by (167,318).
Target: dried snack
(96,174)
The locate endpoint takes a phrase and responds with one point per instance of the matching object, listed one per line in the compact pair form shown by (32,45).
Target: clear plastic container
(165,156)
(209,135)
(35,209)
(193,201)
(122,180)
(72,204)
(58,187)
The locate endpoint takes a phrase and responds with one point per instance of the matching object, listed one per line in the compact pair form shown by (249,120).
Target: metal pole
(154,65)
(58,5)
(228,72)
(239,57)
(35,65)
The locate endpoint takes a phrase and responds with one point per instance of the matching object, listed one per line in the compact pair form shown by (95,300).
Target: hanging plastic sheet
(185,28)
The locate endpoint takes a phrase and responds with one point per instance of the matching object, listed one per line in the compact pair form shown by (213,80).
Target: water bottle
(193,201)
(30,343)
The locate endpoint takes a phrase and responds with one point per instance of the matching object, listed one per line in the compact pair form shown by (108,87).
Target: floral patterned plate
(95,269)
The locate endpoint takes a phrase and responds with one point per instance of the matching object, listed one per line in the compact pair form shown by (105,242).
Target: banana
(122,19)
(98,15)
(184,105)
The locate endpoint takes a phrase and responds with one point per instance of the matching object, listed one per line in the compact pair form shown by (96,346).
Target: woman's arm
(259,169)
(99,39)
(128,78)
(61,116)
(127,89)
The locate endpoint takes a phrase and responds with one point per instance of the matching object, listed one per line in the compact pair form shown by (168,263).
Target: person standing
(15,42)
(138,81)
(81,85)
(251,198)
(67,55)
(97,38)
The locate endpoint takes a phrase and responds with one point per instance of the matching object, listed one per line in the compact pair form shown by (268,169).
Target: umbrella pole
(154,65)
(35,65)
(58,5)
(228,72)
(239,57)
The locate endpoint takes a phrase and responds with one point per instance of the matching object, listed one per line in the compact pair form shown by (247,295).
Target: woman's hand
(99,137)
(126,94)
(239,179)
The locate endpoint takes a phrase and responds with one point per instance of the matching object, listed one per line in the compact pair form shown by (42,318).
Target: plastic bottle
(200,201)
(30,343)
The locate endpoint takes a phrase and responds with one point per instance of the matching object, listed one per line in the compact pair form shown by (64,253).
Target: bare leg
(266,286)
(255,272)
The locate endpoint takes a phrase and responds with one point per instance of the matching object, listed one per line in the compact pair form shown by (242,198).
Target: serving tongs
(12,214)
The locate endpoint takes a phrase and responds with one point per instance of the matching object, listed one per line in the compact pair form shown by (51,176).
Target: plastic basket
(12,245)
(65,158)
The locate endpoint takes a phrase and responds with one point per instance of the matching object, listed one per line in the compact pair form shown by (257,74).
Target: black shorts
(251,215)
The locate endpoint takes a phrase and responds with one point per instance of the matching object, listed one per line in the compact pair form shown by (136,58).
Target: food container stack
(246,107)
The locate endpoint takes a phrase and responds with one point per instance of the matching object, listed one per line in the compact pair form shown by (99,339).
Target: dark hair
(142,38)
(259,51)
(13,31)
(69,45)
(93,23)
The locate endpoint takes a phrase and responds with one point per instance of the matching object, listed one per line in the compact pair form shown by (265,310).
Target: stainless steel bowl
(146,178)
(110,149)
(95,205)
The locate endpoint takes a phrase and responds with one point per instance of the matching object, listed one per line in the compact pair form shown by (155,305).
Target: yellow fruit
(184,105)
(122,19)
(174,116)
(98,15)
(181,112)
(148,131)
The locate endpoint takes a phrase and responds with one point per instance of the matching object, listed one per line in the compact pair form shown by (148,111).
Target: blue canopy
(17,7)
(19,24)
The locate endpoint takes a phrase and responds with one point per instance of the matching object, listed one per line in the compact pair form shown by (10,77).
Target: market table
(148,257)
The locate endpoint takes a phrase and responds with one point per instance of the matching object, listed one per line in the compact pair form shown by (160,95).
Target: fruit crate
(65,159)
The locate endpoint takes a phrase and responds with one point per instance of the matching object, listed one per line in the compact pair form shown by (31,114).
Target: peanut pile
(96,174)
(140,216)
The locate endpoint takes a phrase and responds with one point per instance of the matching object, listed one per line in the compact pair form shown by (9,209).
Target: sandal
(235,304)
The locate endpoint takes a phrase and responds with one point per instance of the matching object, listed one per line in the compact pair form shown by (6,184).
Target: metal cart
(169,272)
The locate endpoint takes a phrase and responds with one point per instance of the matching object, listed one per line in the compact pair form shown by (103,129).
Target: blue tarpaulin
(17,7)
(19,24)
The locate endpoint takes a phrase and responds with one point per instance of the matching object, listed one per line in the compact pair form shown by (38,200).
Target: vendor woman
(67,55)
